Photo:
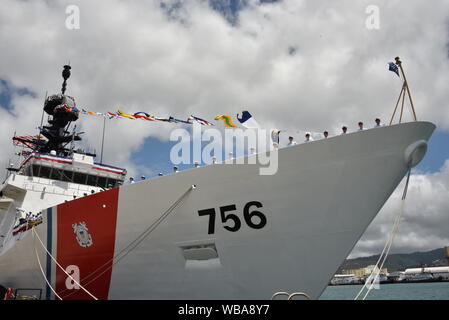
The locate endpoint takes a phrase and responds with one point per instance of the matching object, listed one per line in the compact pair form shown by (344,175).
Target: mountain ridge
(399,261)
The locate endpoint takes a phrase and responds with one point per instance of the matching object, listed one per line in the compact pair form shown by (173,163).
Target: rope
(143,235)
(43,246)
(42,271)
(404,194)
(383,256)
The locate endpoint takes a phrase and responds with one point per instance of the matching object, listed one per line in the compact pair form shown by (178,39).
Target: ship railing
(44,185)
(291,296)
(33,294)
(54,190)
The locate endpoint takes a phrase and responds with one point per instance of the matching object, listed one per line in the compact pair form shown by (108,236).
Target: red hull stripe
(89,250)
(26,161)
(46,159)
(108,170)
(119,171)
(54,160)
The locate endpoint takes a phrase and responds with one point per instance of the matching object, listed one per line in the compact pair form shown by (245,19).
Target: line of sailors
(175,170)
(344,130)
(30,217)
(27,223)
(291,143)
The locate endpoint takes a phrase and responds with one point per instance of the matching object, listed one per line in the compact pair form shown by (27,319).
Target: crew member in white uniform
(360,126)
(378,124)
(291,143)
(308,137)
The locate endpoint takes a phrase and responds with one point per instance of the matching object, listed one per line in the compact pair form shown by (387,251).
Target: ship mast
(405,89)
(65,75)
(63,112)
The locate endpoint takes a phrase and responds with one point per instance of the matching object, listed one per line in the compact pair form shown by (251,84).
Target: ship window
(55,174)
(27,171)
(79,178)
(45,172)
(92,180)
(67,176)
(111,183)
(101,182)
(35,171)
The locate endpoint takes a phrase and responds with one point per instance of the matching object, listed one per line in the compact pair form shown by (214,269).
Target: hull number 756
(231,222)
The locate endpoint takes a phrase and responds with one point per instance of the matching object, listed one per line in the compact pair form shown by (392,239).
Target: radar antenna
(62,111)
(66,75)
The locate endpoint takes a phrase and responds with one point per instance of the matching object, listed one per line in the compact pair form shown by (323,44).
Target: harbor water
(400,291)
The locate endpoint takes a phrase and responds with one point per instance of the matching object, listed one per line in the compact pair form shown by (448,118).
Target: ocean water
(398,291)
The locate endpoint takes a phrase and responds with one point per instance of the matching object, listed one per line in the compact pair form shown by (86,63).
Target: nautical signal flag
(144,115)
(200,121)
(393,67)
(173,120)
(27,140)
(170,119)
(247,120)
(83,111)
(226,120)
(125,115)
(70,109)
(182,121)
(111,115)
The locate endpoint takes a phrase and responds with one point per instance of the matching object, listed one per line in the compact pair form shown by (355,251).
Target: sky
(295,64)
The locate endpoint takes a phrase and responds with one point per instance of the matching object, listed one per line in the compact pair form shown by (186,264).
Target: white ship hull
(317,206)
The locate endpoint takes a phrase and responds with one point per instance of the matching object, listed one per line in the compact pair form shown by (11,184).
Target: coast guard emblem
(82,236)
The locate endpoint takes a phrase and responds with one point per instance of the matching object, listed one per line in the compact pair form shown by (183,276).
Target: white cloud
(424,225)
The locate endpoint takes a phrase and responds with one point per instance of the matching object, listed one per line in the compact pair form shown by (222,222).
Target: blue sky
(437,152)
(7,91)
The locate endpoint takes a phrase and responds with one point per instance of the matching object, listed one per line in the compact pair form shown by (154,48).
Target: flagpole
(42,118)
(399,63)
(402,107)
(397,103)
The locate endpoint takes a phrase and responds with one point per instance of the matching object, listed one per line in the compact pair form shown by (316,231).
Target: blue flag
(393,67)
(247,120)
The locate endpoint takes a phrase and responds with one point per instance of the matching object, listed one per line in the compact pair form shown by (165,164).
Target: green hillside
(399,261)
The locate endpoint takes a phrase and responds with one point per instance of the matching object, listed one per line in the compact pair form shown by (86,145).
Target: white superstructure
(44,180)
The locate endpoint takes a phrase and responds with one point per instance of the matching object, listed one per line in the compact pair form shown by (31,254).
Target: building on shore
(342,279)
(365,272)
(441,273)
